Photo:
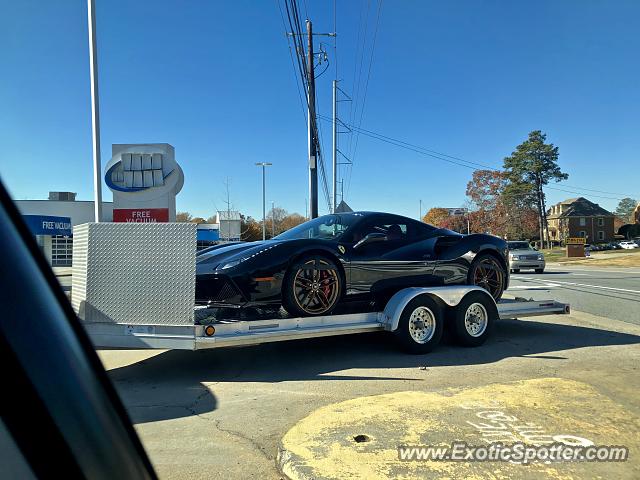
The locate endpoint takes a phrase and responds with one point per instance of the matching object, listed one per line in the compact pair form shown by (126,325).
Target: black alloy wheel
(313,287)
(486,272)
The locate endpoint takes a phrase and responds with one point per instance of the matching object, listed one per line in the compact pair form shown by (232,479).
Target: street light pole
(264,214)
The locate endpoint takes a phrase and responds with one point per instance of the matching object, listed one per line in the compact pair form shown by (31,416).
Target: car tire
(487,272)
(312,286)
(539,270)
(474,318)
(420,326)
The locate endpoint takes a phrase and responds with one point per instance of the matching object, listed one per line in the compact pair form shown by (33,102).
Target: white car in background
(628,245)
(523,256)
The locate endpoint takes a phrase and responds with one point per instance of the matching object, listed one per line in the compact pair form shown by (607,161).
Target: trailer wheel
(474,318)
(420,326)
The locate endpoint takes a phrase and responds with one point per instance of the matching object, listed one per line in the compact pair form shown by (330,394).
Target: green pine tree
(529,168)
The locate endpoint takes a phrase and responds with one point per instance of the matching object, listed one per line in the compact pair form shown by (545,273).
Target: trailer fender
(449,295)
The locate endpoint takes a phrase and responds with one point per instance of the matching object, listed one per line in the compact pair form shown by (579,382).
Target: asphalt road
(607,292)
(223,413)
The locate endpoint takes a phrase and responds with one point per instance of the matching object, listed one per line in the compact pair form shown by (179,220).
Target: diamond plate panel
(134,273)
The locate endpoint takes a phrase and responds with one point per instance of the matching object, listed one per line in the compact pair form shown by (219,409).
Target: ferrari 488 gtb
(312,268)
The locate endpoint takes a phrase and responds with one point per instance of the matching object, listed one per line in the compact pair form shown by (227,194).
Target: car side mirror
(371,238)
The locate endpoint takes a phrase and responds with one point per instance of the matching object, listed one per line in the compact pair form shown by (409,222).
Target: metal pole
(335,143)
(313,171)
(273,219)
(264,198)
(264,217)
(95,112)
(420,217)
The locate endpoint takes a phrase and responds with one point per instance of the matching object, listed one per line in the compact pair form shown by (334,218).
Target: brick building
(578,217)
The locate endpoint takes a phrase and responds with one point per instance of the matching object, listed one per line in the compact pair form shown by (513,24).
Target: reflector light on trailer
(209,330)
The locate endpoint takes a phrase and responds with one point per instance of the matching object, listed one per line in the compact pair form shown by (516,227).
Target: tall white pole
(335,144)
(95,111)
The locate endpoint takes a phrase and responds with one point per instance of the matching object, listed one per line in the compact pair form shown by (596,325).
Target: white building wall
(78,211)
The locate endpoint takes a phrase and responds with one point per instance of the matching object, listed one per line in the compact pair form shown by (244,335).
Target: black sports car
(313,267)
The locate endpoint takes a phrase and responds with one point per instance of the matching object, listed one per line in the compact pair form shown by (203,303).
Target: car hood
(211,260)
(524,252)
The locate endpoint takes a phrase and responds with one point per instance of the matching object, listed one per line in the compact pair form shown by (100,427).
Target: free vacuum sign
(48,225)
(141,215)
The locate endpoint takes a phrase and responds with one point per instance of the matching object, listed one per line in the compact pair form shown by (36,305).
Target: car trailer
(417,317)
(133,287)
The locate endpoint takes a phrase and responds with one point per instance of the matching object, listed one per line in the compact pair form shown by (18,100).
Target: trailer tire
(474,318)
(421,324)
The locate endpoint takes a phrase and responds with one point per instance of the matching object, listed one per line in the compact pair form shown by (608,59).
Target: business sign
(144,176)
(141,215)
(457,212)
(208,234)
(48,225)
(576,241)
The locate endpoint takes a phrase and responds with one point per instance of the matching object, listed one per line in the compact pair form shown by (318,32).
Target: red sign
(141,215)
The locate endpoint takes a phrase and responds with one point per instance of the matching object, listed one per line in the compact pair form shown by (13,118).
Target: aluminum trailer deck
(236,332)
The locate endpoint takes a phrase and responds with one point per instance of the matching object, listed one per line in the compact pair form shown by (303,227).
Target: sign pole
(95,112)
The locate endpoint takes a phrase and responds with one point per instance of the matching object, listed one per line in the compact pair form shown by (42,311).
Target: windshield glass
(327,227)
(519,246)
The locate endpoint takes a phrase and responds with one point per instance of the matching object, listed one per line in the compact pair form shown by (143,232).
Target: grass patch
(618,258)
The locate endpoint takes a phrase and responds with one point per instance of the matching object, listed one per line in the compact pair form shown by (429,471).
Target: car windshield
(519,246)
(327,227)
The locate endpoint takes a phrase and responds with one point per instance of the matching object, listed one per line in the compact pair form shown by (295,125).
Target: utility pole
(273,219)
(313,164)
(335,144)
(264,213)
(95,111)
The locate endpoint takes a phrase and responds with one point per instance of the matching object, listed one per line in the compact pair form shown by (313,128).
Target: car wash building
(144,180)
(51,221)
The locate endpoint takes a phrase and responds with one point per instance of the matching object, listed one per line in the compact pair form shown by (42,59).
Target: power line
(451,159)
(293,65)
(355,89)
(316,137)
(354,141)
(366,85)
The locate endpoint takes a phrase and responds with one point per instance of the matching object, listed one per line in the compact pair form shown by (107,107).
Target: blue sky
(214,79)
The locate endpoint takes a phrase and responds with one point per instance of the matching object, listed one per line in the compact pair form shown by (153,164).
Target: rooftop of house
(578,207)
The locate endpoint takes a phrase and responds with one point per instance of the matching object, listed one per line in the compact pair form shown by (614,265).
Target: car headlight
(232,264)
(540,256)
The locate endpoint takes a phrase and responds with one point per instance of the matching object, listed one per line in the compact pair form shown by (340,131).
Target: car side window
(395,231)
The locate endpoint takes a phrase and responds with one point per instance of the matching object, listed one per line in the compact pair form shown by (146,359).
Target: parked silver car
(524,256)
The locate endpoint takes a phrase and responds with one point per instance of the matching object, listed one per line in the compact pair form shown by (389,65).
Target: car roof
(366,213)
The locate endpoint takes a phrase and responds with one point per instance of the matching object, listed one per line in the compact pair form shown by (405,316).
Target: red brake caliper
(326,289)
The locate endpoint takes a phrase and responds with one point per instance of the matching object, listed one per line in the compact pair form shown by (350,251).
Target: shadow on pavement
(170,385)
